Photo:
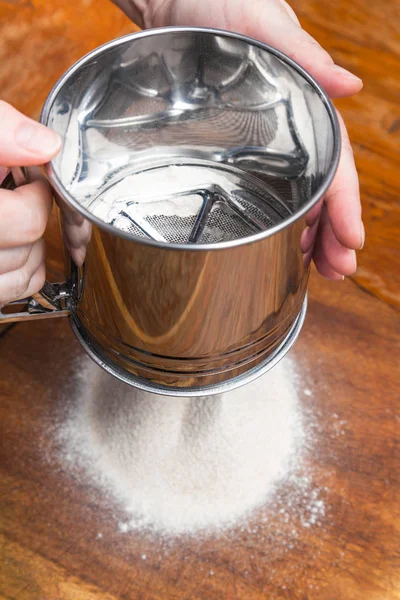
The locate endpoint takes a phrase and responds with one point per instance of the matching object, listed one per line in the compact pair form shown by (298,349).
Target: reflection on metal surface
(191,166)
(97,354)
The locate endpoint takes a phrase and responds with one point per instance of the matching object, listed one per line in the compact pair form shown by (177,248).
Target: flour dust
(185,465)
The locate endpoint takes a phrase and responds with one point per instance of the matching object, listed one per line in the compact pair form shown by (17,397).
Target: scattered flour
(181,465)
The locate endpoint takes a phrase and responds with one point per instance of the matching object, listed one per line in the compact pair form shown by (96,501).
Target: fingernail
(362,236)
(37,138)
(354,260)
(345,73)
(342,278)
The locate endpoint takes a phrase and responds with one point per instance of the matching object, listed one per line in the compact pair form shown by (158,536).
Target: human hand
(338,219)
(24,212)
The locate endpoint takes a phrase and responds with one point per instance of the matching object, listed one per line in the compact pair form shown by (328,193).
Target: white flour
(182,465)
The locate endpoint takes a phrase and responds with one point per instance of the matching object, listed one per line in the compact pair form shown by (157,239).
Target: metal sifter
(191,162)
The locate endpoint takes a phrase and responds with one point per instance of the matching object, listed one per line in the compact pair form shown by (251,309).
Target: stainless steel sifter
(191,162)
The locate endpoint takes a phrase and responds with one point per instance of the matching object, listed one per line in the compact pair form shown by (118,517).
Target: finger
(12,259)
(36,283)
(70,216)
(323,267)
(308,238)
(343,198)
(313,215)
(77,232)
(16,284)
(321,261)
(286,35)
(24,141)
(341,259)
(24,213)
(307,258)
(76,239)
(78,235)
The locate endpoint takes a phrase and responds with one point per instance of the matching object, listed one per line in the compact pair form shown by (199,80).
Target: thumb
(24,141)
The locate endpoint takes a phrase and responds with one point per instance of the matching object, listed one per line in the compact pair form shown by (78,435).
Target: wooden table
(348,357)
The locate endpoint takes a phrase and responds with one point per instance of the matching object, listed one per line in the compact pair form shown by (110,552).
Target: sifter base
(96,354)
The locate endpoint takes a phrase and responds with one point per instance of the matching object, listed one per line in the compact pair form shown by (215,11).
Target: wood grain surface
(60,538)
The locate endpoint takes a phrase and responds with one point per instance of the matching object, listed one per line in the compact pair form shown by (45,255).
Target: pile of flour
(179,465)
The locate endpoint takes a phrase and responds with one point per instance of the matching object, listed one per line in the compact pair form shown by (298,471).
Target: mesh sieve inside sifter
(190,203)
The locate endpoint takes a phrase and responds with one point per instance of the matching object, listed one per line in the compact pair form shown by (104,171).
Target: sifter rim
(60,189)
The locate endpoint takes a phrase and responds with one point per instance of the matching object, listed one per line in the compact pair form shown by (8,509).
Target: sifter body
(192,164)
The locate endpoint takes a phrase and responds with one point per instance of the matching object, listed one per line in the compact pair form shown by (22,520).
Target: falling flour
(179,465)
